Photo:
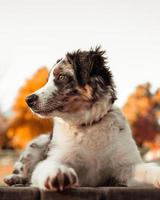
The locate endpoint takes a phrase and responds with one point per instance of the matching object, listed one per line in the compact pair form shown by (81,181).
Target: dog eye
(61,77)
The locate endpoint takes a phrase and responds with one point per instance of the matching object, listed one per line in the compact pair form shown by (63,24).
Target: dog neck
(90,116)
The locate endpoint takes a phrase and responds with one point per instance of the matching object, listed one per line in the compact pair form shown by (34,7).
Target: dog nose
(31,99)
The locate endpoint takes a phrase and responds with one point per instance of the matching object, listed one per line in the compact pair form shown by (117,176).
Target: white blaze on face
(46,91)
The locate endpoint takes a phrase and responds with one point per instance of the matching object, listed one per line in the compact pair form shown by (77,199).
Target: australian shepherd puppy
(91,141)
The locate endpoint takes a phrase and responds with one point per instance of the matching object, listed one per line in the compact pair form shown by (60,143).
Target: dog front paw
(64,178)
(54,178)
(15,179)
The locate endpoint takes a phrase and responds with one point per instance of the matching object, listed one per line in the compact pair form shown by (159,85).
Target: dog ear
(101,72)
(87,64)
(83,69)
(90,68)
(82,66)
(99,68)
(97,60)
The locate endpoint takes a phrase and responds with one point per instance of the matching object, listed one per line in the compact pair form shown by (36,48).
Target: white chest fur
(103,146)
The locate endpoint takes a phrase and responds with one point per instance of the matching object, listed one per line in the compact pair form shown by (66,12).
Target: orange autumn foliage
(142,110)
(24,126)
(3,130)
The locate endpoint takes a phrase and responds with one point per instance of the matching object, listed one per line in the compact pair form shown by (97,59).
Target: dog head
(75,83)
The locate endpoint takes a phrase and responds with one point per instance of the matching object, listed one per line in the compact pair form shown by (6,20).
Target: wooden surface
(99,193)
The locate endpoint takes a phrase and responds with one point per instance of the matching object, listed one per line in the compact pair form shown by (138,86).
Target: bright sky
(35,33)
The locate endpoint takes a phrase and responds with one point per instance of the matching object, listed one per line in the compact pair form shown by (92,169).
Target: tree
(25,125)
(141,110)
(3,130)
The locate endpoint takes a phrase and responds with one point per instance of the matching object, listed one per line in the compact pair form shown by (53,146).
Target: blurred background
(35,33)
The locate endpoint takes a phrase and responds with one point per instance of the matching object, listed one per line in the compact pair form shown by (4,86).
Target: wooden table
(97,193)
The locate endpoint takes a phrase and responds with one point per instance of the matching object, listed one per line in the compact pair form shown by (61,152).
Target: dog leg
(53,176)
(145,174)
(34,152)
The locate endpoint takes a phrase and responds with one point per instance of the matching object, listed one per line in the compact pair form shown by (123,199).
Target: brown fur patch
(80,101)
(76,104)
(86,92)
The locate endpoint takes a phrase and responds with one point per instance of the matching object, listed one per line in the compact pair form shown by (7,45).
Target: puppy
(91,140)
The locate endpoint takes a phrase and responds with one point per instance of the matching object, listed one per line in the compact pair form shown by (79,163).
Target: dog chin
(43,114)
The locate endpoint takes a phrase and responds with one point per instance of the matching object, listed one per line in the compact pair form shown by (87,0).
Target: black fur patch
(90,68)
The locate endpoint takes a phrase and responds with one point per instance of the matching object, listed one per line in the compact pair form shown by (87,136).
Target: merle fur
(90,68)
